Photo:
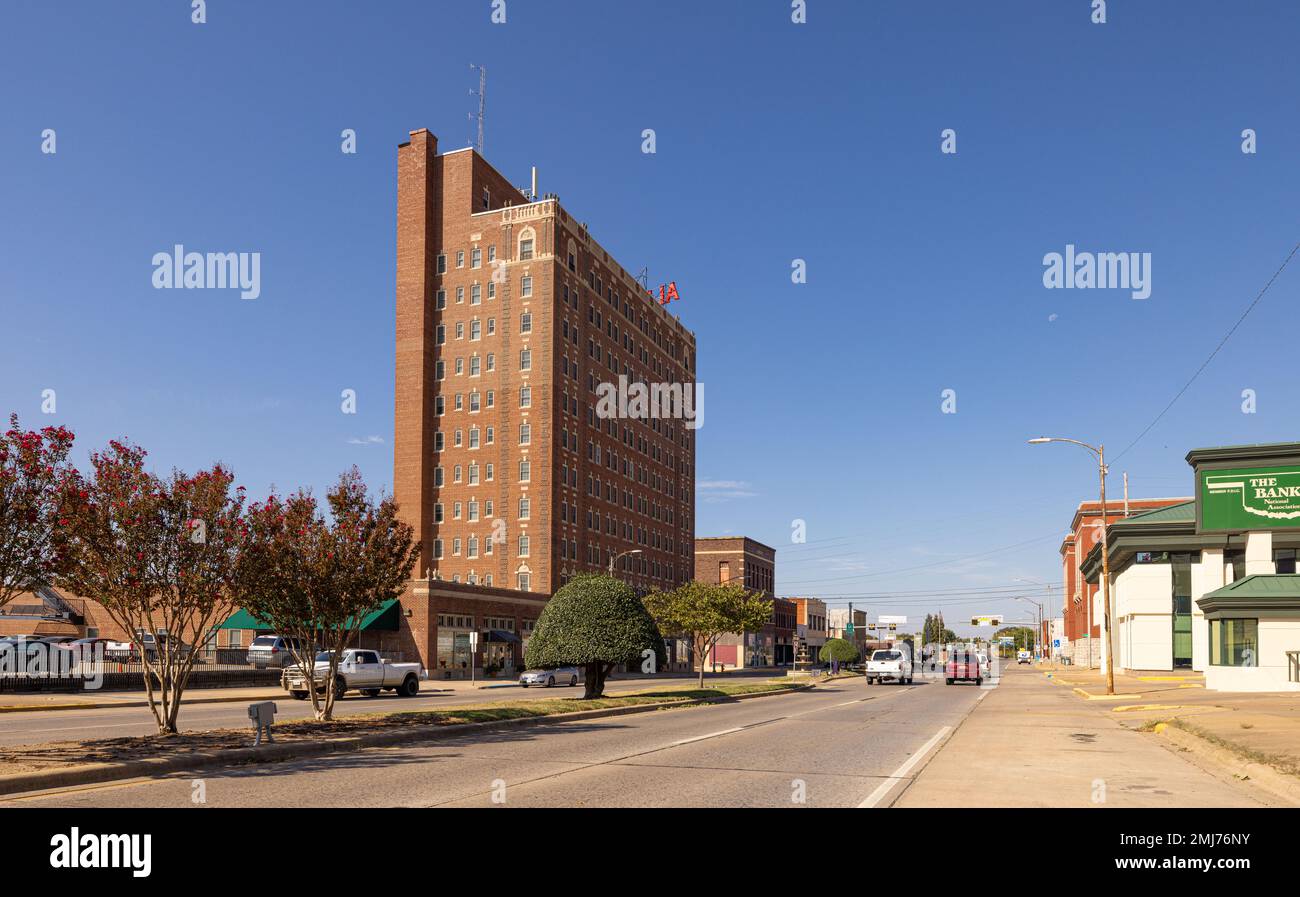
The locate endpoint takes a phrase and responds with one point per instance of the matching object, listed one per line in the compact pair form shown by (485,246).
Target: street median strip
(451,722)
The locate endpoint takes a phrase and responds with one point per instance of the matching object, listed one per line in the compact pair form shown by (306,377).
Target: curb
(108,772)
(1089,696)
(108,705)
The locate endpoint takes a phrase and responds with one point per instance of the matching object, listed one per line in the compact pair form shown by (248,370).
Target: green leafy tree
(704,613)
(316,579)
(596,622)
(838,650)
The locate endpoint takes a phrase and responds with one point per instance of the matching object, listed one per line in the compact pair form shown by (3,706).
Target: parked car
(890,664)
(1024,657)
(962,666)
(274,651)
(985,669)
(563,675)
(360,669)
(85,645)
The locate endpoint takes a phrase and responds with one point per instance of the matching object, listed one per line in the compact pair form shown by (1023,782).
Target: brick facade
(1081,601)
(509,315)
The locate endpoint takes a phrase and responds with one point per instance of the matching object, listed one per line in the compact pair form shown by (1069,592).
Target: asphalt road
(117,722)
(845,744)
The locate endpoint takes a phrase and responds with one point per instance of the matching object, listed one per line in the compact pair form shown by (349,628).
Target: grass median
(31,758)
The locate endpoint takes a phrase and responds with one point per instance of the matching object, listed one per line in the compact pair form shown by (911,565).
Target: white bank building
(1211,584)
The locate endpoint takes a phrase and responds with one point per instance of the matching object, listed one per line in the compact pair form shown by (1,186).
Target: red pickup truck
(963,667)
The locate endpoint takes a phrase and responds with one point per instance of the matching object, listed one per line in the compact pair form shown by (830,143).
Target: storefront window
(1234,643)
(1284,560)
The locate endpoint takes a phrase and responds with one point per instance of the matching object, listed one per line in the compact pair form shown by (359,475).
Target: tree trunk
(595,680)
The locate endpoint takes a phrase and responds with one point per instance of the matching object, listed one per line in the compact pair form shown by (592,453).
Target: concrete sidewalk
(1259,726)
(1032,743)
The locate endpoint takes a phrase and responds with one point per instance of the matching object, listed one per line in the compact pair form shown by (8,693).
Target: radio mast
(481,93)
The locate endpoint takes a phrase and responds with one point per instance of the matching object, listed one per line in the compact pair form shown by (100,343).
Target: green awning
(387,617)
(1260,594)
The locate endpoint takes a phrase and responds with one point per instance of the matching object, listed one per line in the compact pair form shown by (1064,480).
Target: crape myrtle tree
(315,580)
(596,622)
(33,465)
(159,556)
(704,613)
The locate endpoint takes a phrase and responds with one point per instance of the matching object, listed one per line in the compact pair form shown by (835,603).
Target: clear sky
(775,142)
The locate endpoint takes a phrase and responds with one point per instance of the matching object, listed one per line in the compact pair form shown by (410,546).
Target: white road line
(710,735)
(885,787)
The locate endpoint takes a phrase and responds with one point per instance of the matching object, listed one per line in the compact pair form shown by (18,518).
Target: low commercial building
(1081,605)
(746,562)
(1210,584)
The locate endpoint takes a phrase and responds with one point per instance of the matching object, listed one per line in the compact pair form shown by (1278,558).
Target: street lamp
(1038,636)
(1044,636)
(615,558)
(1100,452)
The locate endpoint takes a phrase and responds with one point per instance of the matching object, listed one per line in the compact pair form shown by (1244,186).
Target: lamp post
(1109,643)
(615,558)
(1038,636)
(1046,636)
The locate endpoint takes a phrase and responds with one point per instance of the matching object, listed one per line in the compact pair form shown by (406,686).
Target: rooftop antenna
(643,278)
(481,93)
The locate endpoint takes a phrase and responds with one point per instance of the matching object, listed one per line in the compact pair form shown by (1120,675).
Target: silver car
(562,675)
(274,651)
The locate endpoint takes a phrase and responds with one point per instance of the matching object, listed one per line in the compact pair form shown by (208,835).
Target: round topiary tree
(595,622)
(837,651)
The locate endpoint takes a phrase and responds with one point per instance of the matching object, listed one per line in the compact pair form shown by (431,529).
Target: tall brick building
(509,317)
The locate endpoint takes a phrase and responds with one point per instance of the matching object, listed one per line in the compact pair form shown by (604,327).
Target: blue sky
(775,141)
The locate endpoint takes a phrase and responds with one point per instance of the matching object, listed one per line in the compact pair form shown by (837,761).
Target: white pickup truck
(359,669)
(890,663)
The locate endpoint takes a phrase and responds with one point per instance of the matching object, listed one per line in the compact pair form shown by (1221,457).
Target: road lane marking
(711,735)
(888,785)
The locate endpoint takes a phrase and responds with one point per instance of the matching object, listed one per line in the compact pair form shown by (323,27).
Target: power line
(1055,535)
(1205,364)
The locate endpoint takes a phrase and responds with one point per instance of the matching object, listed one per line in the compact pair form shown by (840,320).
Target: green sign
(1249,498)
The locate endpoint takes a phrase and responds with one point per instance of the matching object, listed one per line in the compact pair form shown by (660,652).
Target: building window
(476,257)
(523,508)
(526,245)
(1234,643)
(526,323)
(475,294)
(524,471)
(1235,560)
(525,397)
(523,545)
(440,335)
(460,258)
(442,263)
(1284,560)
(526,364)
(526,286)
(522,580)
(442,299)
